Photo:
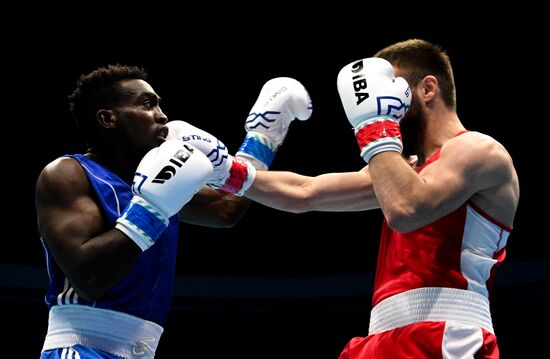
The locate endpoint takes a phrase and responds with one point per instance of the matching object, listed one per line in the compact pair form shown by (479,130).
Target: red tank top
(460,250)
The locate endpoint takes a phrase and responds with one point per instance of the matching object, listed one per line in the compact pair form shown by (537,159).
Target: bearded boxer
(447,218)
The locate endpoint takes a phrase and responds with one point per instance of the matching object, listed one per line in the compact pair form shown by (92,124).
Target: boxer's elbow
(403,217)
(229,215)
(400,223)
(228,219)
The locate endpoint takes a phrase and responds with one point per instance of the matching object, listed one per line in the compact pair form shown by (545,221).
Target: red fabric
(415,341)
(499,256)
(489,349)
(237,176)
(426,257)
(376,131)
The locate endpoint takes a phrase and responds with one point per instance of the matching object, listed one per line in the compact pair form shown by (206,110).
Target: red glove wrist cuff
(377,130)
(237,176)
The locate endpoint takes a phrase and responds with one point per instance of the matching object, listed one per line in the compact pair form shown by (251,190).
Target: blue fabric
(83,352)
(145,220)
(257,150)
(146,290)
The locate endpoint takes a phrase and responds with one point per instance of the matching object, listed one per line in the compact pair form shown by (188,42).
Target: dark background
(278,284)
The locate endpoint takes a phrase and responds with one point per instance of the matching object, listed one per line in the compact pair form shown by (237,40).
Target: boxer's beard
(412,129)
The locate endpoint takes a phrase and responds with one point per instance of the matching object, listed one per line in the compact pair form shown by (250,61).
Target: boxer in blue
(108,218)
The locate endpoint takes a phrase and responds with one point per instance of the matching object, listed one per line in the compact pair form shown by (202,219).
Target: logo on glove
(218,155)
(391,106)
(359,82)
(275,94)
(178,159)
(261,116)
(195,138)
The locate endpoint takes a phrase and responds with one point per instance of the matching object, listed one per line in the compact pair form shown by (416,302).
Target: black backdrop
(278,284)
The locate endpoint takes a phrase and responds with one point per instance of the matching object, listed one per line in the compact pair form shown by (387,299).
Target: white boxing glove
(281,100)
(231,174)
(167,177)
(374,102)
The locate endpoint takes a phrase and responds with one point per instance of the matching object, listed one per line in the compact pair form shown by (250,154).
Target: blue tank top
(146,290)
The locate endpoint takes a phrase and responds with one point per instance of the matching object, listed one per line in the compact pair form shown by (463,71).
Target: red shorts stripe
(425,340)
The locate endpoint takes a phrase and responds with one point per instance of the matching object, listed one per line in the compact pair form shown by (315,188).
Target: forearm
(286,191)
(211,208)
(399,189)
(291,192)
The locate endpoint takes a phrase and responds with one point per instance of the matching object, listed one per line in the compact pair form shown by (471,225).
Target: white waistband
(431,305)
(114,332)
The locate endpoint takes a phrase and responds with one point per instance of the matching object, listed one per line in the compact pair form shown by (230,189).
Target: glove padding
(280,101)
(230,174)
(166,179)
(374,102)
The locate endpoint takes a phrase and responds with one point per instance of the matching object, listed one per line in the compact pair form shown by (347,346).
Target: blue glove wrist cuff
(142,222)
(255,147)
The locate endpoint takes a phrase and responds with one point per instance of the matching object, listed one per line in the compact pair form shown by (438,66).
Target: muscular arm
(291,192)
(213,208)
(470,166)
(93,255)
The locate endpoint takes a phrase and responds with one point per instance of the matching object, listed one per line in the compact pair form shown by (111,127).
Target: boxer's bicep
(468,164)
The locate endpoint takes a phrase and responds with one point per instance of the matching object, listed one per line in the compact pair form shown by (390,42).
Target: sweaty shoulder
(62,176)
(489,171)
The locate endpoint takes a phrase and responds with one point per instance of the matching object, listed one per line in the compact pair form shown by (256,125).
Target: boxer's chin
(412,126)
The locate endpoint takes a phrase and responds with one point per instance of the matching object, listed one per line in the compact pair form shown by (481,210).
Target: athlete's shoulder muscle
(488,173)
(480,158)
(64,202)
(61,179)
